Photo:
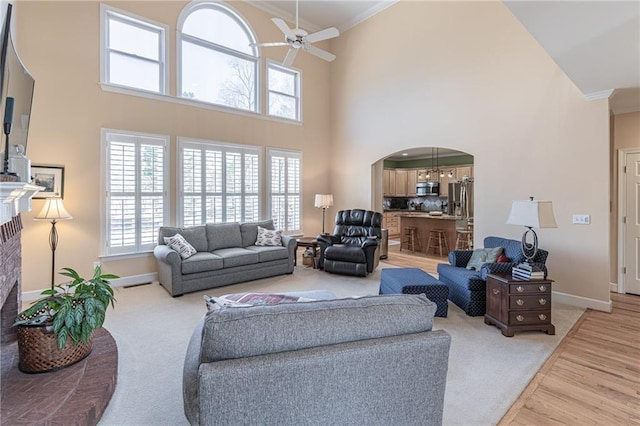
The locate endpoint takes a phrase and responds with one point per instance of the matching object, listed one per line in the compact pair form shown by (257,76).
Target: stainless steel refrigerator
(460,201)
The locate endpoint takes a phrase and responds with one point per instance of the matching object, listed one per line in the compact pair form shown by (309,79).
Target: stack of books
(526,271)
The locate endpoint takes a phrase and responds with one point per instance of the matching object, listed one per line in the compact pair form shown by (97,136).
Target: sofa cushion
(180,245)
(195,235)
(269,253)
(237,256)
(201,262)
(223,235)
(461,277)
(482,256)
(249,231)
(511,248)
(256,330)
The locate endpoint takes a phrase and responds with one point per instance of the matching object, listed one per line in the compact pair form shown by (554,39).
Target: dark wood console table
(515,305)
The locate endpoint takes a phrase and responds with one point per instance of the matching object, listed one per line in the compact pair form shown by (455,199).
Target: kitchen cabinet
(412,180)
(401,182)
(422,175)
(464,171)
(389,182)
(391,221)
(444,183)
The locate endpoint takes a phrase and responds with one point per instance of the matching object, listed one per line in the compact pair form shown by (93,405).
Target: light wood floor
(593,376)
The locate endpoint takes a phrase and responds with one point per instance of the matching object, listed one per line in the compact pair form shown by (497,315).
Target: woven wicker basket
(38,350)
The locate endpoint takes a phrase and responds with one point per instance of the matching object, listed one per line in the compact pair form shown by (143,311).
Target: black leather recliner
(353,247)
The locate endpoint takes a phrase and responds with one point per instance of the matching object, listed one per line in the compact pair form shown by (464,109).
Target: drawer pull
(542,301)
(520,318)
(542,288)
(496,291)
(542,317)
(519,302)
(520,289)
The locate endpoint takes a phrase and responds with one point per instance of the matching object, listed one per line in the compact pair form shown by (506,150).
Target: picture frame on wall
(51,178)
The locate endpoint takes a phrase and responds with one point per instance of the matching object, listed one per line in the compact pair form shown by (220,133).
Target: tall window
(218,183)
(133,51)
(285,174)
(136,188)
(218,65)
(283,91)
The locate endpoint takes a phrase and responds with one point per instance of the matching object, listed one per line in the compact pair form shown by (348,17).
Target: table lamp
(53,210)
(531,214)
(323,201)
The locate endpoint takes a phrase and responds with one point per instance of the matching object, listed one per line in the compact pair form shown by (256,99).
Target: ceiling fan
(297,39)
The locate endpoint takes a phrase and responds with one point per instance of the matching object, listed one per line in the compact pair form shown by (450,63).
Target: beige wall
(59,44)
(626,134)
(467,76)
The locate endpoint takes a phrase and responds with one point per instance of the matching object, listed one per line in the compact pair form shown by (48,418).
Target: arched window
(217,63)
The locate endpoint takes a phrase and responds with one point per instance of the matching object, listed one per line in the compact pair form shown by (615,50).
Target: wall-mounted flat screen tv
(16,83)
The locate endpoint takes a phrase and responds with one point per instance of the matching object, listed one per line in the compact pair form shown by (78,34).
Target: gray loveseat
(367,361)
(226,254)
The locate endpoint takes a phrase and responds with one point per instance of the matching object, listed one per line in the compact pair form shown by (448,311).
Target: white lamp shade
(532,213)
(53,210)
(324,200)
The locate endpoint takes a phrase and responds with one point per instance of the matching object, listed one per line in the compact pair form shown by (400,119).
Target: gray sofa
(367,361)
(226,254)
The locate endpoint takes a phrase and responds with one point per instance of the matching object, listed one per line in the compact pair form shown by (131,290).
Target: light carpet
(487,371)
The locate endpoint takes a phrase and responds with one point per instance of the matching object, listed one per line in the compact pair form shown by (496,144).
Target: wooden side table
(514,305)
(309,242)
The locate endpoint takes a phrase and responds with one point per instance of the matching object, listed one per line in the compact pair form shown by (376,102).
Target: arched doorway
(426,182)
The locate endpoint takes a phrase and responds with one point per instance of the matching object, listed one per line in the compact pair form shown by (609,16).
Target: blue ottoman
(415,281)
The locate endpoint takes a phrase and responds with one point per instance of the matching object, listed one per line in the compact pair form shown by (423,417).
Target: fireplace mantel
(15,198)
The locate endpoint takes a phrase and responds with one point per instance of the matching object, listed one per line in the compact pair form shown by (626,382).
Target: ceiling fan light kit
(297,38)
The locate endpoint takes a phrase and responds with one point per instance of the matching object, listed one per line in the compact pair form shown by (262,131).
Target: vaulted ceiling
(596,43)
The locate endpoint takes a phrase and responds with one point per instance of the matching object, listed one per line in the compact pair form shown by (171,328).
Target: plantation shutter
(136,191)
(285,189)
(228,185)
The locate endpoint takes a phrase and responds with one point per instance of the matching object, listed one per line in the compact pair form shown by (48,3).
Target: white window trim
(287,153)
(105,12)
(225,8)
(271,63)
(104,251)
(186,142)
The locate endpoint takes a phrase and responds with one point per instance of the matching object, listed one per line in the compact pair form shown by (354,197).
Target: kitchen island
(424,222)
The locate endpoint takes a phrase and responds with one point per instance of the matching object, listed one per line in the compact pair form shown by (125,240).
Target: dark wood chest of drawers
(514,305)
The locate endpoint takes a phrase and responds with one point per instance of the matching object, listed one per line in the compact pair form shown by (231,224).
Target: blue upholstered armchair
(467,286)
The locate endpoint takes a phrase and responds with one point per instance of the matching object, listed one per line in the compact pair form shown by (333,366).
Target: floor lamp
(54,211)
(323,201)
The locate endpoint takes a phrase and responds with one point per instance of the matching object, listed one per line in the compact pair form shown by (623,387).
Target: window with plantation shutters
(218,182)
(136,190)
(284,201)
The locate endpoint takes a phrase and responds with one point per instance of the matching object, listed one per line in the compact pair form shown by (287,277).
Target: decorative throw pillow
(268,237)
(502,259)
(239,300)
(179,244)
(482,256)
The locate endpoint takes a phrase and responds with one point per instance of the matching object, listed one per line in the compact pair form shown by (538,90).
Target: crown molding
(596,96)
(280,13)
(377,8)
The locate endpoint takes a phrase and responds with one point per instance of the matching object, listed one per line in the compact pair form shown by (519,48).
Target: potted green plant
(57,329)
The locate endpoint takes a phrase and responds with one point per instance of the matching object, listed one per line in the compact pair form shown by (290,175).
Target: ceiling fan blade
(325,34)
(321,53)
(291,55)
(284,28)
(276,43)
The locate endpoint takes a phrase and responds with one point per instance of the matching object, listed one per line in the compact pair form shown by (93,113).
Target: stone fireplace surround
(10,276)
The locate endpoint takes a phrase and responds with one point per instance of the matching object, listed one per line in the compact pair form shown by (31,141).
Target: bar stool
(410,238)
(437,240)
(464,239)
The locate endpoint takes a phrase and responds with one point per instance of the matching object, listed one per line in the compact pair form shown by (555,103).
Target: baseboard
(30,296)
(582,302)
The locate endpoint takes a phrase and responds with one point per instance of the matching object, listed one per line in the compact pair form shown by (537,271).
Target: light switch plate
(582,219)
